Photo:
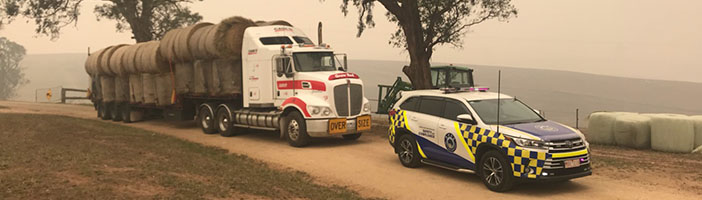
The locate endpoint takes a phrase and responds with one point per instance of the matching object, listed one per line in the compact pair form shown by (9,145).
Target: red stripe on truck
(299,103)
(298,85)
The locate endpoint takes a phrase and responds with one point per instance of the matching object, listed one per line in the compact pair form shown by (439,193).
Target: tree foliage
(11,76)
(146,19)
(424,24)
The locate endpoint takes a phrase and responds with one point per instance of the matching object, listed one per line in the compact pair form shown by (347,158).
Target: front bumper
(563,174)
(320,127)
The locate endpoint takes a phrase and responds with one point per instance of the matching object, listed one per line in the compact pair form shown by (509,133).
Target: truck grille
(343,94)
(561,146)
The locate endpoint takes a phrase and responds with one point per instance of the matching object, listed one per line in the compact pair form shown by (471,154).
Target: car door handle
(442,126)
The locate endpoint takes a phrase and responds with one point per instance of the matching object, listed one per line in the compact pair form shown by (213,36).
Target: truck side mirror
(466,118)
(346,64)
(538,112)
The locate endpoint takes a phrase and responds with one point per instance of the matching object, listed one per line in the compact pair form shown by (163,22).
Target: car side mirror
(466,118)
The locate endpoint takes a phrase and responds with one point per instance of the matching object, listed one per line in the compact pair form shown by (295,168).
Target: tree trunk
(419,69)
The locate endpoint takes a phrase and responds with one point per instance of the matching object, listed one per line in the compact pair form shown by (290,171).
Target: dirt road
(370,167)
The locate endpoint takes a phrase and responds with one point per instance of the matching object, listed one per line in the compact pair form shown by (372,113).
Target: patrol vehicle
(459,129)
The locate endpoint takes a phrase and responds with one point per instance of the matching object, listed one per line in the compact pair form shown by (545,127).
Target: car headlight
(366,107)
(319,110)
(528,143)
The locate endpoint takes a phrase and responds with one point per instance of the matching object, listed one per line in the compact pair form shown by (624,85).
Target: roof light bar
(464,89)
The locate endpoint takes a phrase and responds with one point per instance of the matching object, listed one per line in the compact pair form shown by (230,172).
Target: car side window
(454,108)
(410,104)
(432,106)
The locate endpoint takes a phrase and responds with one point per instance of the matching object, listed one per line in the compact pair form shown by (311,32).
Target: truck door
(284,81)
(447,137)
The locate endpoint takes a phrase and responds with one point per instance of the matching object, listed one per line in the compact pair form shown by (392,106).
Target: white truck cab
(283,69)
(459,130)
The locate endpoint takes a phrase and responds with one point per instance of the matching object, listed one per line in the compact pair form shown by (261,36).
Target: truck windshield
(512,111)
(314,61)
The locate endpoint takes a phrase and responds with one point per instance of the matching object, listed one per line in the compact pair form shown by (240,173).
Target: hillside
(557,93)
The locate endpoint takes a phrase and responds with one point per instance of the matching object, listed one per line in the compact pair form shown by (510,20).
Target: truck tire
(296,130)
(354,136)
(116,112)
(495,171)
(408,152)
(225,123)
(126,111)
(98,108)
(105,111)
(206,120)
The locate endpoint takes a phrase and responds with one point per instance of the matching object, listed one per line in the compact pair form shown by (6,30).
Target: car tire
(206,120)
(296,130)
(495,172)
(408,152)
(354,136)
(225,124)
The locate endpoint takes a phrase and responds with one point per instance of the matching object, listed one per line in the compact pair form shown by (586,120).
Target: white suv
(459,131)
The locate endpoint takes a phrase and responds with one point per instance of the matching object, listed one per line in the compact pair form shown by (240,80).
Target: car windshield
(314,61)
(512,111)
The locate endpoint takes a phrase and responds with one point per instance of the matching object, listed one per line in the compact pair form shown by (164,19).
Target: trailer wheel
(354,136)
(116,112)
(206,120)
(105,111)
(126,111)
(296,130)
(495,172)
(225,124)
(98,108)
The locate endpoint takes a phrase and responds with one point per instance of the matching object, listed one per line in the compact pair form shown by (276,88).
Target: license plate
(337,126)
(572,163)
(363,123)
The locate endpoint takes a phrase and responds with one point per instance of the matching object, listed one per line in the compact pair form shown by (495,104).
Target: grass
(58,157)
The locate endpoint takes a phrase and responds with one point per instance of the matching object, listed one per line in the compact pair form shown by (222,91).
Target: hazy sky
(631,38)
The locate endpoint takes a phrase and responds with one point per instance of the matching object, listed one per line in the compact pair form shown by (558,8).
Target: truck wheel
(495,172)
(126,111)
(116,112)
(98,107)
(354,136)
(105,111)
(225,124)
(206,120)
(409,153)
(296,130)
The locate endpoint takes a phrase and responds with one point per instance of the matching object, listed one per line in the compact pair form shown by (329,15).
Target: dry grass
(58,157)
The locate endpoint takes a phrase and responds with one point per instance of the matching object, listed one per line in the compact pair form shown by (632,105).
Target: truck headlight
(319,110)
(366,107)
(528,143)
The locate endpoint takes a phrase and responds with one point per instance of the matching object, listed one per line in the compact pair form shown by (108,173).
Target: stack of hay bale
(203,59)
(663,132)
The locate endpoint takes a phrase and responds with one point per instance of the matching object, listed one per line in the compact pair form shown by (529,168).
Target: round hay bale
(164,89)
(107,87)
(166,46)
(130,57)
(601,127)
(228,72)
(672,133)
(149,83)
(229,36)
(633,131)
(136,89)
(271,23)
(116,64)
(122,89)
(91,62)
(181,46)
(208,43)
(184,77)
(195,41)
(698,129)
(200,68)
(104,67)
(150,59)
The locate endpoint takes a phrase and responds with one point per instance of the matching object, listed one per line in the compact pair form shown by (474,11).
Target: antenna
(499,81)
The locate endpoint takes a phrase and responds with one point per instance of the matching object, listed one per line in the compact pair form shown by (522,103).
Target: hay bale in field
(200,68)
(181,45)
(107,88)
(228,72)
(121,89)
(164,89)
(275,22)
(229,36)
(672,133)
(698,130)
(104,67)
(149,82)
(184,77)
(150,59)
(601,127)
(129,59)
(115,63)
(632,130)
(136,89)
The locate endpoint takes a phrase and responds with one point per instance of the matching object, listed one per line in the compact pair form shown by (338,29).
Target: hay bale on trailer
(149,83)
(672,133)
(633,131)
(116,63)
(150,59)
(122,89)
(92,62)
(228,72)
(196,42)
(130,57)
(200,69)
(698,130)
(107,88)
(164,89)
(166,46)
(136,89)
(229,36)
(184,77)
(207,47)
(104,62)
(181,44)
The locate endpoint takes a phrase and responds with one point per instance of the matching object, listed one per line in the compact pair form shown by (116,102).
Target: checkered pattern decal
(520,158)
(399,120)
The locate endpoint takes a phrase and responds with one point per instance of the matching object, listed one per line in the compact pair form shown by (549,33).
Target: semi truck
(233,76)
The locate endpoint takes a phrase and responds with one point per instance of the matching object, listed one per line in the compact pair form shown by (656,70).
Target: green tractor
(446,76)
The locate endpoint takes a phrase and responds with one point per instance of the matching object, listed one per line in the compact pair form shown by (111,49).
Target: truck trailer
(232,76)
